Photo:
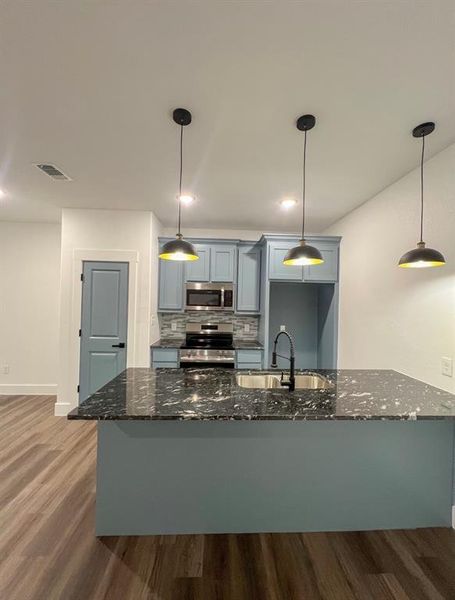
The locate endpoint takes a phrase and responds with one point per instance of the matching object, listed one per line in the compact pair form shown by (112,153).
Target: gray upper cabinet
(240,262)
(222,262)
(277,252)
(170,296)
(325,272)
(248,279)
(199,270)
(328,270)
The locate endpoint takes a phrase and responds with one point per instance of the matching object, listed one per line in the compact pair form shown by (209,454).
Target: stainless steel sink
(258,381)
(310,381)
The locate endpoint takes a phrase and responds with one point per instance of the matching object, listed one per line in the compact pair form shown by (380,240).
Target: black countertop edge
(196,418)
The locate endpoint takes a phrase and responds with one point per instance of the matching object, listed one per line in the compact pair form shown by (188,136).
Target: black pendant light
(179,249)
(304,254)
(421,256)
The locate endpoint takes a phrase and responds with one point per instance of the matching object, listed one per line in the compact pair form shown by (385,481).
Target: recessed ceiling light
(288,203)
(186,199)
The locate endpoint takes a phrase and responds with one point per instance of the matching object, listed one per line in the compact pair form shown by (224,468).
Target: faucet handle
(274,364)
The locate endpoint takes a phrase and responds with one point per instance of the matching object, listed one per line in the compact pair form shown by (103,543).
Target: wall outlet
(446,366)
(246,328)
(282,327)
(173,325)
(5,369)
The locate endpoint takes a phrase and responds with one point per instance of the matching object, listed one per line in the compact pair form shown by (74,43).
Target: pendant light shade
(422,257)
(303,254)
(179,249)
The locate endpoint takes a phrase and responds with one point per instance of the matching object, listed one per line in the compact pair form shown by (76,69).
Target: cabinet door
(328,270)
(248,279)
(199,270)
(277,252)
(170,285)
(222,261)
(248,359)
(165,358)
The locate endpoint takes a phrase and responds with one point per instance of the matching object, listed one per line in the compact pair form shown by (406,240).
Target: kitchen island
(190,451)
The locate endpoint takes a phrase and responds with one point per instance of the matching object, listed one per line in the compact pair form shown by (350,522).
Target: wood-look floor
(48,550)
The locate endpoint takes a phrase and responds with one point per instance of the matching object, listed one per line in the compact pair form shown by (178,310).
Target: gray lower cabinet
(167,358)
(325,272)
(170,285)
(248,279)
(248,359)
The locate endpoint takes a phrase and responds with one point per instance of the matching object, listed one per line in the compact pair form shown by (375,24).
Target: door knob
(121,345)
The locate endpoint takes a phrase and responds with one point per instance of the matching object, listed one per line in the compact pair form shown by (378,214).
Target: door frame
(79,257)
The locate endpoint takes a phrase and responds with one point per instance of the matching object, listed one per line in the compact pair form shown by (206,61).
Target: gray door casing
(104,324)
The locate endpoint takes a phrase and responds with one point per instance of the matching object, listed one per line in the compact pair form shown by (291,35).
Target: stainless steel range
(208,345)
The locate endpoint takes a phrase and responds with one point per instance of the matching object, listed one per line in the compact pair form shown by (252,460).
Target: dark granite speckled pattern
(206,394)
(247,345)
(168,343)
(177,342)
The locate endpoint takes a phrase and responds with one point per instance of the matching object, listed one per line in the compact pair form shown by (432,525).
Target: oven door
(203,297)
(197,358)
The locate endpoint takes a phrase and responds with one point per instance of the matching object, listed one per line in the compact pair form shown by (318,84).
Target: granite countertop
(247,345)
(168,343)
(177,342)
(207,394)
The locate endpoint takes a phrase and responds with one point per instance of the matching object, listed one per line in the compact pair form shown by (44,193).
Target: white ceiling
(90,86)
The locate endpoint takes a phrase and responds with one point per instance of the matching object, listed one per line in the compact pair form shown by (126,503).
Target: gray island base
(191,452)
(171,477)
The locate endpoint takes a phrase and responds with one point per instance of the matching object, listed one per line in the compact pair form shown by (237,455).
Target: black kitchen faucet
(291,383)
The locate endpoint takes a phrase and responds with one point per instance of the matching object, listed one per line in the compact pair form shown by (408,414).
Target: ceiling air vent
(53,172)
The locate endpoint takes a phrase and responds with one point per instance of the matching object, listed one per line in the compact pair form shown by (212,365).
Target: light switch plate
(446,366)
(282,327)
(173,325)
(246,328)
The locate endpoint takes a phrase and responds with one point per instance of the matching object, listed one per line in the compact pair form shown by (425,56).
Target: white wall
(402,319)
(29,300)
(106,235)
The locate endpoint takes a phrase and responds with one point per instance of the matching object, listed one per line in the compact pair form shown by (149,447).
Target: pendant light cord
(421,188)
(303,184)
(180,178)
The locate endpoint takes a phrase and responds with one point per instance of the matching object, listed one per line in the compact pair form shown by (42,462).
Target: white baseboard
(453,517)
(61,409)
(28,389)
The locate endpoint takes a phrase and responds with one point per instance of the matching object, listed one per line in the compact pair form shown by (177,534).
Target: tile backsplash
(181,319)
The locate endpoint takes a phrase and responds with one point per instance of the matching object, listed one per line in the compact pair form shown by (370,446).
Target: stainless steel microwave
(209,296)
